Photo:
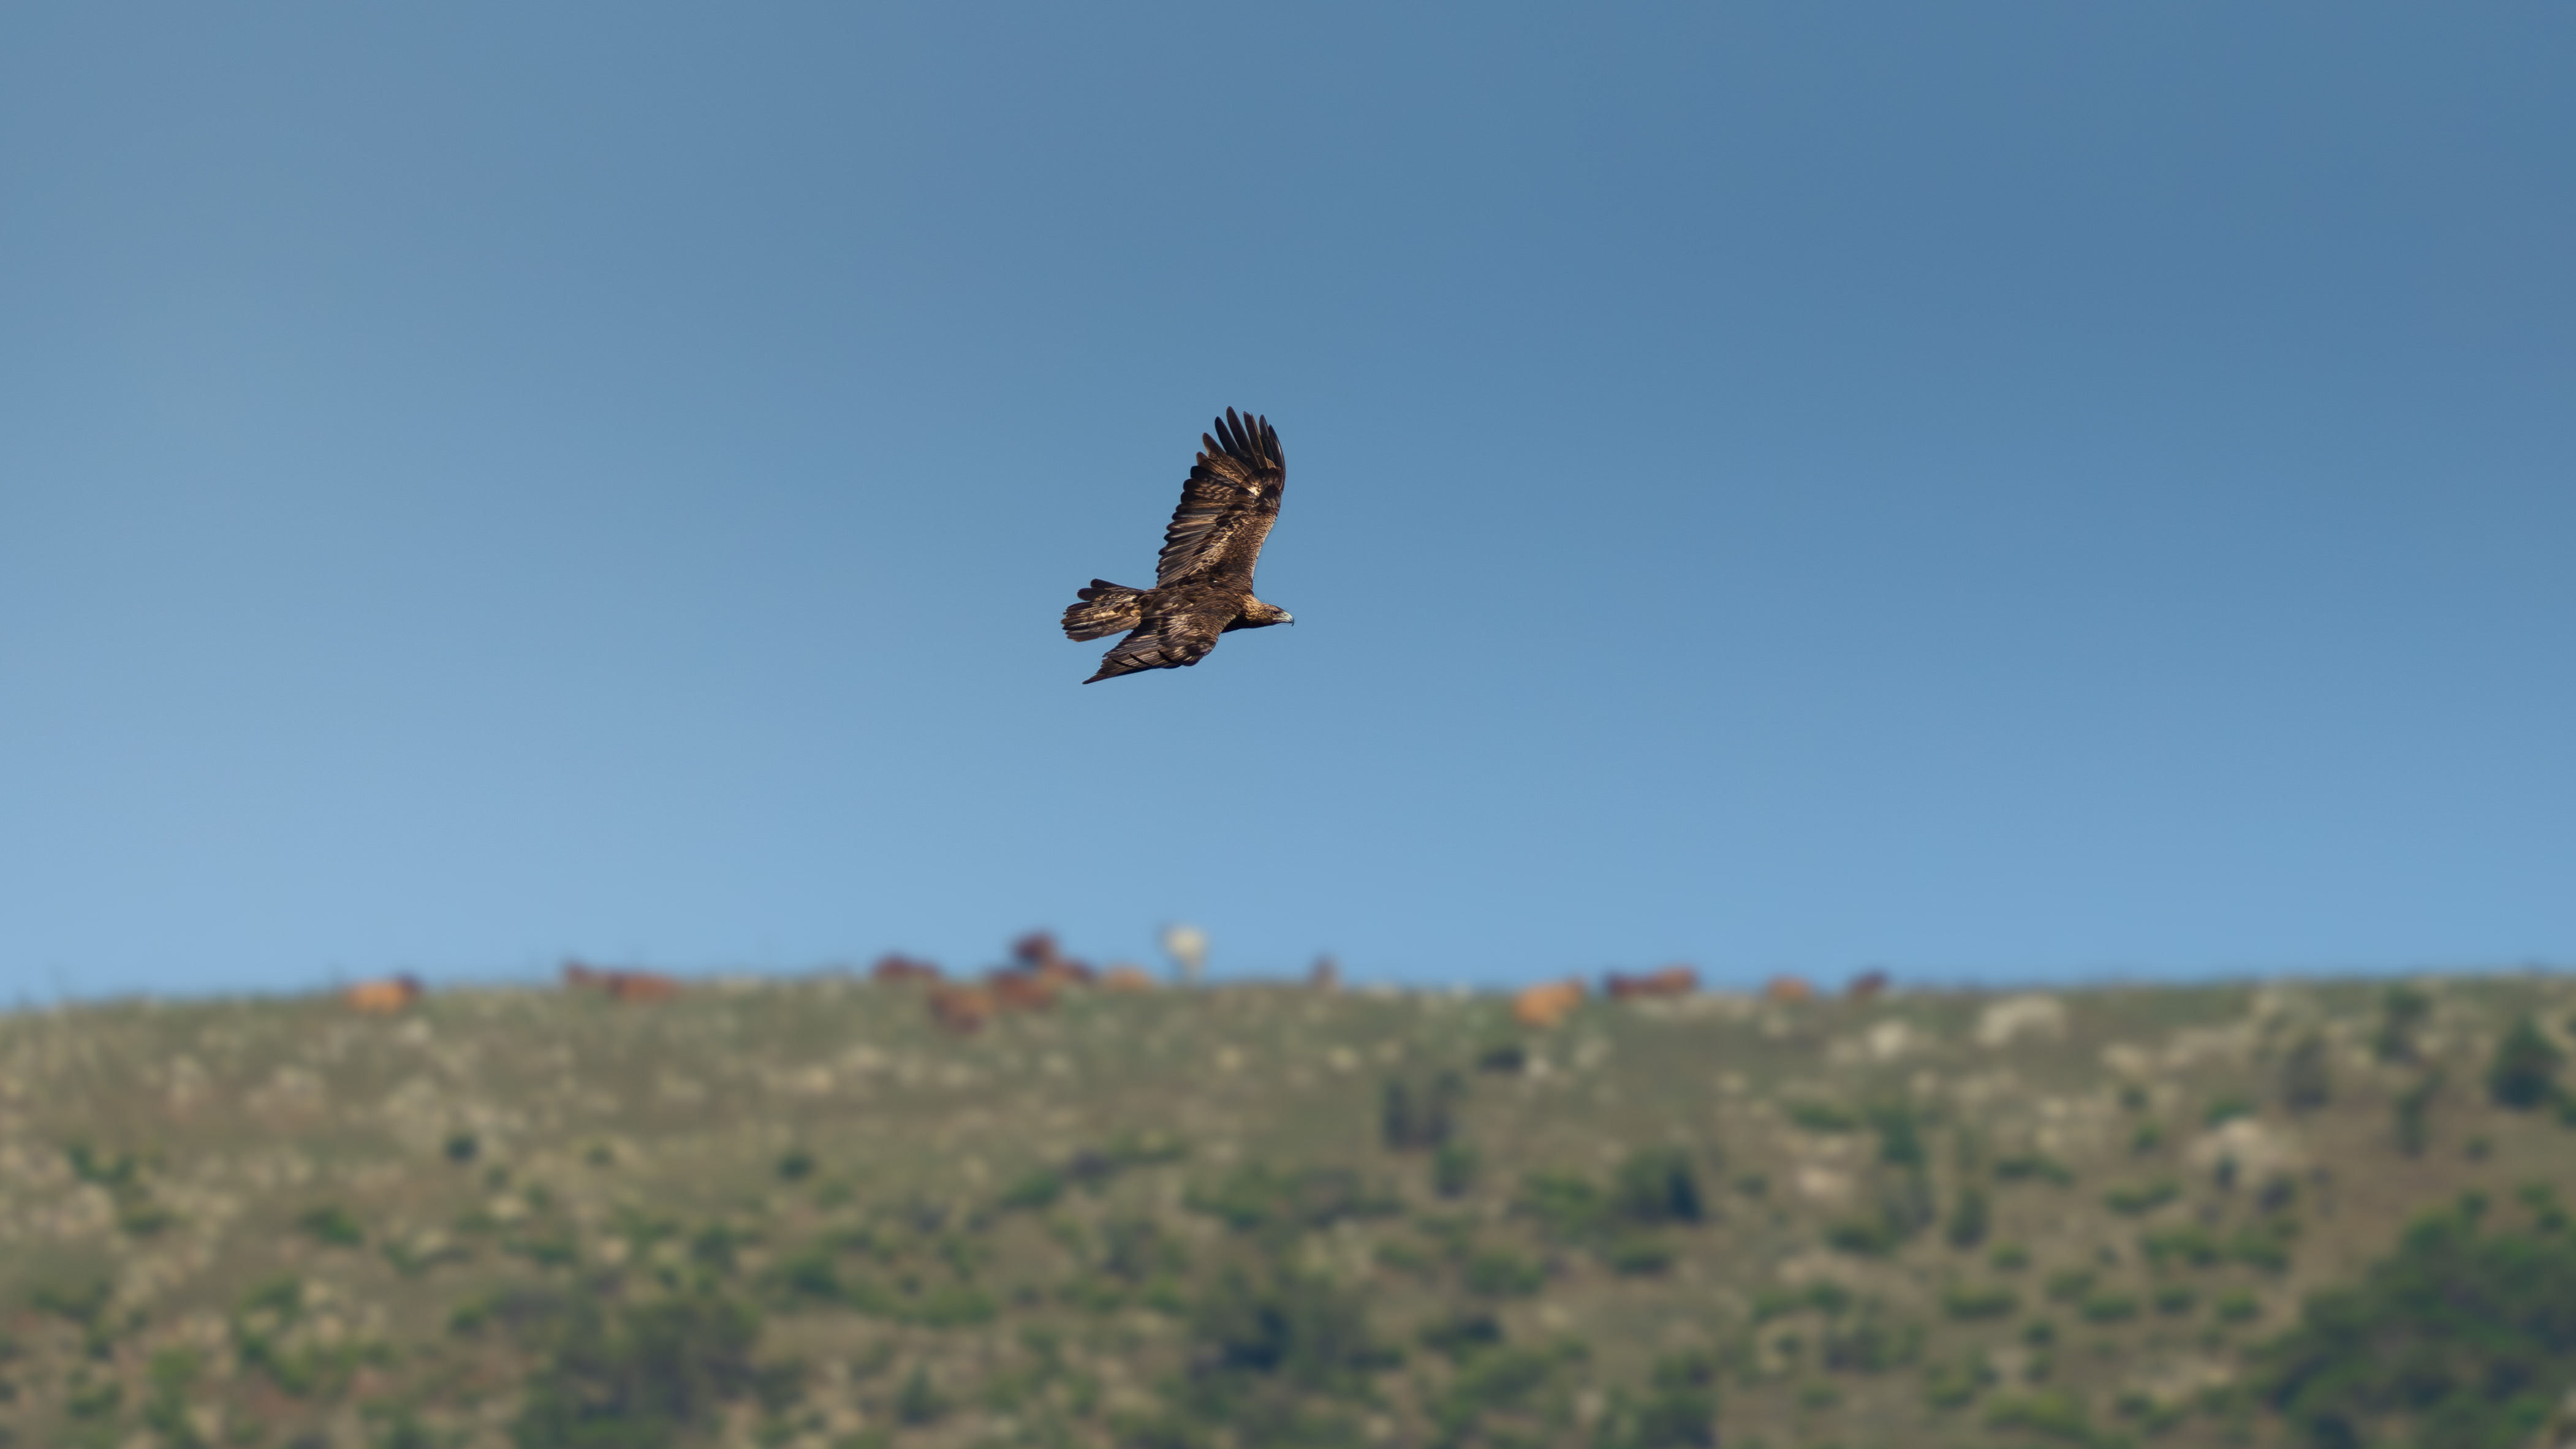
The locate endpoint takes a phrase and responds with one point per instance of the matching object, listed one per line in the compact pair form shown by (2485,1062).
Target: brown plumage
(1203,582)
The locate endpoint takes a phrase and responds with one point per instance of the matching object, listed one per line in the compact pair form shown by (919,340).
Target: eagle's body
(1203,583)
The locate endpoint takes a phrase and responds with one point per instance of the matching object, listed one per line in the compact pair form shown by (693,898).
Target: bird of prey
(1203,583)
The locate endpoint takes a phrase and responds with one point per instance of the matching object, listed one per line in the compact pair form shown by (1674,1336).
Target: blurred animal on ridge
(1020,991)
(621,985)
(383,998)
(1670,981)
(1788,989)
(1543,1007)
(960,1010)
(1867,985)
(895,966)
(1037,952)
(1187,946)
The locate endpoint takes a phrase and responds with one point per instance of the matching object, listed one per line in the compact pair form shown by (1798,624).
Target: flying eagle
(1203,583)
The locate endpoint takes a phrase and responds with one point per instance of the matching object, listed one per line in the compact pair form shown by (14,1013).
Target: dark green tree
(2458,1340)
(2524,1073)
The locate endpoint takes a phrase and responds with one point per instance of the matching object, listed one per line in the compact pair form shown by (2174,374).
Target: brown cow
(1670,981)
(641,986)
(1068,973)
(1868,985)
(1788,989)
(895,966)
(383,998)
(960,1010)
(1126,978)
(621,985)
(1021,990)
(1036,952)
(1545,1006)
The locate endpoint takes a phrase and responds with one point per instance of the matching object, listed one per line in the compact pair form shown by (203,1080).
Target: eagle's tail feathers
(1106,609)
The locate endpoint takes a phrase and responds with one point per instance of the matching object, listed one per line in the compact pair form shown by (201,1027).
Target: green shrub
(2403,1012)
(334,1225)
(1957,1383)
(1868,1237)
(1679,1410)
(2414,1109)
(2524,1072)
(2188,1245)
(85,1398)
(1416,1116)
(1824,1297)
(1502,1383)
(2032,1167)
(1970,1302)
(2460,1338)
(812,1275)
(1900,1133)
(1462,1335)
(2050,1413)
(81,1305)
(1260,1199)
(2237,1305)
(2305,1080)
(640,1377)
(1870,1341)
(1453,1169)
(1971,1217)
(2109,1306)
(1821,1116)
(2066,1285)
(1567,1206)
(115,1173)
(2265,1246)
(1033,1192)
(1657,1185)
(1637,1254)
(2142,1197)
(172,1373)
(2226,1107)
(1299,1329)
(2176,1299)
(1494,1273)
(1137,1248)
(796,1165)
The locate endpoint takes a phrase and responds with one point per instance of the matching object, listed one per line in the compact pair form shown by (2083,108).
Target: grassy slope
(271,1222)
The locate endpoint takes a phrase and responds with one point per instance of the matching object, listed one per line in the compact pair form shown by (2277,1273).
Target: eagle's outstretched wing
(1174,641)
(1228,505)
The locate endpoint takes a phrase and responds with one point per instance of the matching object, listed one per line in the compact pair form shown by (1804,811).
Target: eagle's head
(1258,615)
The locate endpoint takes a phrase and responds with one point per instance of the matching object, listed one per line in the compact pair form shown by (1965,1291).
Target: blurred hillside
(797,1213)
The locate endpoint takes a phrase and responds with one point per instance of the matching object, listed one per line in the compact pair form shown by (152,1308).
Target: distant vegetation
(801,1215)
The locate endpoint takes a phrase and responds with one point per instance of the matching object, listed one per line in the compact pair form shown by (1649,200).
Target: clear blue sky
(1992,491)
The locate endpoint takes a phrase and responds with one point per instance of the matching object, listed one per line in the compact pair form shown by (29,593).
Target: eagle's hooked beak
(1288,618)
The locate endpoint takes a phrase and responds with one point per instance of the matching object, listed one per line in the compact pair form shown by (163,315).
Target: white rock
(2035,1014)
(2260,1153)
